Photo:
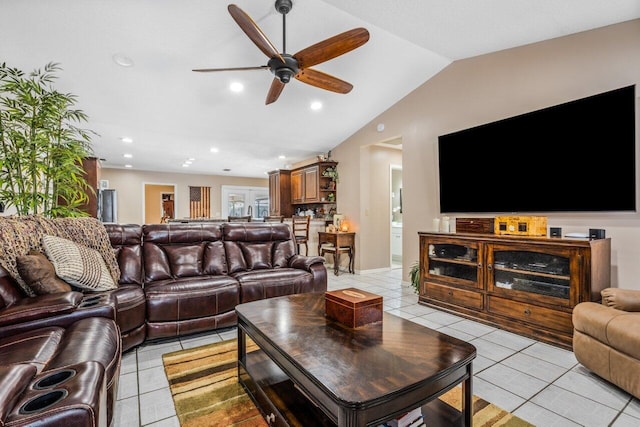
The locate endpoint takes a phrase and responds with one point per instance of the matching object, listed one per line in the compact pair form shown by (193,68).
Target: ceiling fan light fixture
(283,6)
(284,74)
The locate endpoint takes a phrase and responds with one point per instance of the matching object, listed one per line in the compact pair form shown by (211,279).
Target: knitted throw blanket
(20,234)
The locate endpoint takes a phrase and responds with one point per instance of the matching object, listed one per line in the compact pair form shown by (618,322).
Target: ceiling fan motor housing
(283,6)
(284,71)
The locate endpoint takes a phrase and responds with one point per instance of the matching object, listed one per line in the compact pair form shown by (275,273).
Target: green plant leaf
(41,144)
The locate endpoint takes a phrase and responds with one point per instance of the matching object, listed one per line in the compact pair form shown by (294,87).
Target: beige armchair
(606,337)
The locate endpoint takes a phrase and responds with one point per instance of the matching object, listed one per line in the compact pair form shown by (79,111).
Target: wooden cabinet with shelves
(308,185)
(91,173)
(280,193)
(527,285)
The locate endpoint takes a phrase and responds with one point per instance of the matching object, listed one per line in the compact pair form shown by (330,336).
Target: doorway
(159,203)
(396,216)
(168,207)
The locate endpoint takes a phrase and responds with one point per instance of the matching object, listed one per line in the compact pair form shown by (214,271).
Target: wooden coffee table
(310,370)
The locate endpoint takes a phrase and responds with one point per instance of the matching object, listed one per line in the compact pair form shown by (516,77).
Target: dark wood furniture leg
(467,398)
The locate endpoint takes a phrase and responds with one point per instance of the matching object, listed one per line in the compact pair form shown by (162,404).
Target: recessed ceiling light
(188,162)
(126,139)
(128,166)
(282,157)
(122,60)
(192,159)
(214,150)
(316,105)
(185,165)
(236,87)
(127,156)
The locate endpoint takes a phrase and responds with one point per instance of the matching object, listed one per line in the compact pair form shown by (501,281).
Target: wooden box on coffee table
(353,307)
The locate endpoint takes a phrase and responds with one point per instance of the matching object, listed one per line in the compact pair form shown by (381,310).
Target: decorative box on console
(474,225)
(521,225)
(353,307)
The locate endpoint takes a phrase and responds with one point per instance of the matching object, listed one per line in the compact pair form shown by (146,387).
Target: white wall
(130,190)
(485,89)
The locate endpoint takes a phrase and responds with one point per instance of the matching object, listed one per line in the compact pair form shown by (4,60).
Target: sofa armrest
(305,262)
(38,307)
(60,309)
(621,299)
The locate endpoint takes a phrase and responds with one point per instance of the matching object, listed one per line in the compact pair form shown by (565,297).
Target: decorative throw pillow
(77,264)
(38,273)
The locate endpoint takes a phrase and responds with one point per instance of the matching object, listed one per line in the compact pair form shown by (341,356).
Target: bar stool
(300,226)
(335,251)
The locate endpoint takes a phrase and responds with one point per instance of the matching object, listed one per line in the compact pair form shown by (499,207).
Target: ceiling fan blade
(323,81)
(254,32)
(208,70)
(332,47)
(274,91)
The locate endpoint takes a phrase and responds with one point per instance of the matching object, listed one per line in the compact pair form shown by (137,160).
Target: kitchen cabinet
(280,193)
(308,185)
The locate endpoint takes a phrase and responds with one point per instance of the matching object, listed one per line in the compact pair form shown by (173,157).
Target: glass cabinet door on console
(540,274)
(453,261)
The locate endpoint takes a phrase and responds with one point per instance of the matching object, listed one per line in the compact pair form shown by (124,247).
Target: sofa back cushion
(126,240)
(10,292)
(182,250)
(256,246)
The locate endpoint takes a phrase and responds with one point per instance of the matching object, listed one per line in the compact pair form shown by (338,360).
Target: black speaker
(555,232)
(596,233)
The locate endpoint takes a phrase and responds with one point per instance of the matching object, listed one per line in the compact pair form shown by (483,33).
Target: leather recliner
(606,337)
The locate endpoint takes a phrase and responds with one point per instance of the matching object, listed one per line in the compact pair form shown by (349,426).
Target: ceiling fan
(285,66)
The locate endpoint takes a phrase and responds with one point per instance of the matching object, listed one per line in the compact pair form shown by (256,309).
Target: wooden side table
(339,239)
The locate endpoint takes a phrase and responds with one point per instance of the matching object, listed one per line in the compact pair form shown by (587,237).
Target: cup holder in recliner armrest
(92,301)
(54,379)
(43,401)
(85,304)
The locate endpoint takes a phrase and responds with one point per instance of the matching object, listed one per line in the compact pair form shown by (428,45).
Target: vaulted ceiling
(174,114)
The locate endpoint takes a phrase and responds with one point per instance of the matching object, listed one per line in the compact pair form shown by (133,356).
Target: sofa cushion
(35,347)
(33,309)
(235,257)
(261,284)
(77,264)
(257,255)
(190,297)
(621,299)
(20,234)
(215,259)
(39,274)
(615,328)
(185,260)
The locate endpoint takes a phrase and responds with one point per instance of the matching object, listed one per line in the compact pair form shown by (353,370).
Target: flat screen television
(579,156)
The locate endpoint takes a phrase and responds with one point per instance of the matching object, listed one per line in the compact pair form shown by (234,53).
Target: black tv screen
(573,157)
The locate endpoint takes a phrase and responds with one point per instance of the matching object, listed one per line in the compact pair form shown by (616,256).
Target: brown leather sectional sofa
(60,353)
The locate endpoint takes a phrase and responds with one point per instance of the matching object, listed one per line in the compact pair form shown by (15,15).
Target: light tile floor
(540,383)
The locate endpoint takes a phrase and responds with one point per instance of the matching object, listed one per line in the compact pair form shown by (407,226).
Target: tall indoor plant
(41,145)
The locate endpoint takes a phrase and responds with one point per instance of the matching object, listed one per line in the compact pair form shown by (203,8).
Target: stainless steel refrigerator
(108,205)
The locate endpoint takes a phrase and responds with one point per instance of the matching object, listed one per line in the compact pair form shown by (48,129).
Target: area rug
(205,389)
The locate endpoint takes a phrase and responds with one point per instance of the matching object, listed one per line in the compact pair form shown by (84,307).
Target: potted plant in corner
(41,145)
(414,277)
